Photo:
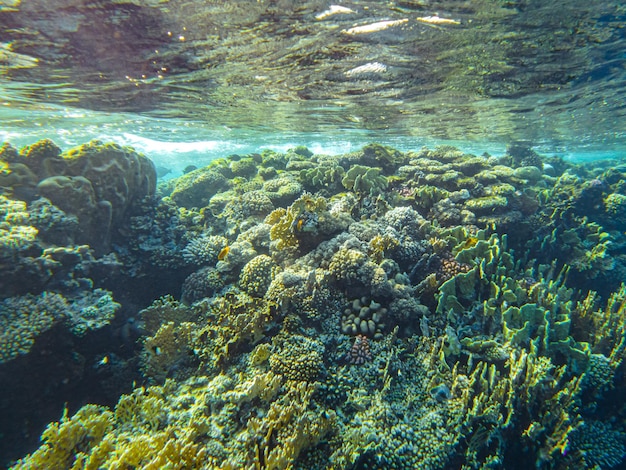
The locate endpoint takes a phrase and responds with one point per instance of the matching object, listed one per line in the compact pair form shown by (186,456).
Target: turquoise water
(223,77)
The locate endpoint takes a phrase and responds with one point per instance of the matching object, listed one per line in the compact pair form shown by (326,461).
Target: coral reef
(24,318)
(423,309)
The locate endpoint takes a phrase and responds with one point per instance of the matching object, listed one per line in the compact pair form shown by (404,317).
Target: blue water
(189,82)
(174,144)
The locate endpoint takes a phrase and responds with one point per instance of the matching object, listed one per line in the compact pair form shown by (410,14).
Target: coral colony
(377,309)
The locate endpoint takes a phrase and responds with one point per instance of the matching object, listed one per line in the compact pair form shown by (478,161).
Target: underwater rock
(98,183)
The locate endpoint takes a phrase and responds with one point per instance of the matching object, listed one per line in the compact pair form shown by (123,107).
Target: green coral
(283,190)
(364,180)
(530,173)
(16,232)
(378,155)
(196,187)
(322,177)
(168,351)
(256,203)
(306,222)
(246,167)
(24,318)
(119,176)
(90,311)
(40,154)
(98,183)
(426,196)
(615,205)
(503,360)
(8,153)
(487,204)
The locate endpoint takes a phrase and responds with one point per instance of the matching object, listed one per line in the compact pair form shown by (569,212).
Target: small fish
(299,225)
(437,20)
(104,361)
(223,253)
(374,27)
(470,242)
(162,171)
